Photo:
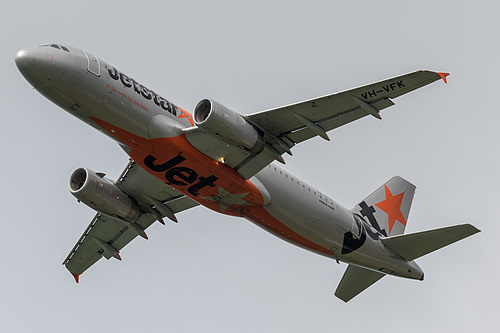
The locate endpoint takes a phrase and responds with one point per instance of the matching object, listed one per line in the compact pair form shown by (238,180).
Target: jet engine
(229,126)
(102,195)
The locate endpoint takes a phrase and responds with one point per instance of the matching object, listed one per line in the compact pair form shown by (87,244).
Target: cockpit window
(56,46)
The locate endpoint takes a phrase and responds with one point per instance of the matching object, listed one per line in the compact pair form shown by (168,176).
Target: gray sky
(213,273)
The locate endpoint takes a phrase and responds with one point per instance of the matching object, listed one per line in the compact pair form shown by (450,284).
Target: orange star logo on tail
(392,206)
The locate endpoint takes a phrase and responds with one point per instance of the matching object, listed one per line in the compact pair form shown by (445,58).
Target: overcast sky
(213,273)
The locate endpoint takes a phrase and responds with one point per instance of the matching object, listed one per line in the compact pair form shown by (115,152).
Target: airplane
(228,162)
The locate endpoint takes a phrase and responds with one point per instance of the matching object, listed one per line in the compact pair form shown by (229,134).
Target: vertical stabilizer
(387,208)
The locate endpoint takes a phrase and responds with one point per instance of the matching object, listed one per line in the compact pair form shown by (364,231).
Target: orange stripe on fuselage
(189,171)
(133,141)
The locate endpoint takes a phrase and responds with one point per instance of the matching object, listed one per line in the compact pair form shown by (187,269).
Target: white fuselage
(124,109)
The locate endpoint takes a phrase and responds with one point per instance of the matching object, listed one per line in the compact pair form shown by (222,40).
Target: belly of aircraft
(298,215)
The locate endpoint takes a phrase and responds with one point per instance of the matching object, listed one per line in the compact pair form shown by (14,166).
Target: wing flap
(338,120)
(354,281)
(109,230)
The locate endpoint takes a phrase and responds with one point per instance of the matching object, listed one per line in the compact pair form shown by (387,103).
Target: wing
(106,236)
(293,122)
(288,125)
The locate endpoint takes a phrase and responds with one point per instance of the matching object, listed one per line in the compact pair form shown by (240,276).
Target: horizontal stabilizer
(413,246)
(354,281)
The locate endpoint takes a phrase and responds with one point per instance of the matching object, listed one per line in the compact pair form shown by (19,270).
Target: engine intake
(102,195)
(229,126)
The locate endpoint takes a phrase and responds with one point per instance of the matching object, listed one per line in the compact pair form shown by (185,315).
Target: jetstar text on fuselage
(143,91)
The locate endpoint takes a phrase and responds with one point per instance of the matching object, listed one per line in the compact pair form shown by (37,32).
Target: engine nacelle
(227,125)
(102,195)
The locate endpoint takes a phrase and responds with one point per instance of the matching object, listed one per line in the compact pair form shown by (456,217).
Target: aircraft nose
(25,60)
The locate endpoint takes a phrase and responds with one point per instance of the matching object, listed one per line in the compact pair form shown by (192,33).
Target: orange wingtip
(443,76)
(77,277)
